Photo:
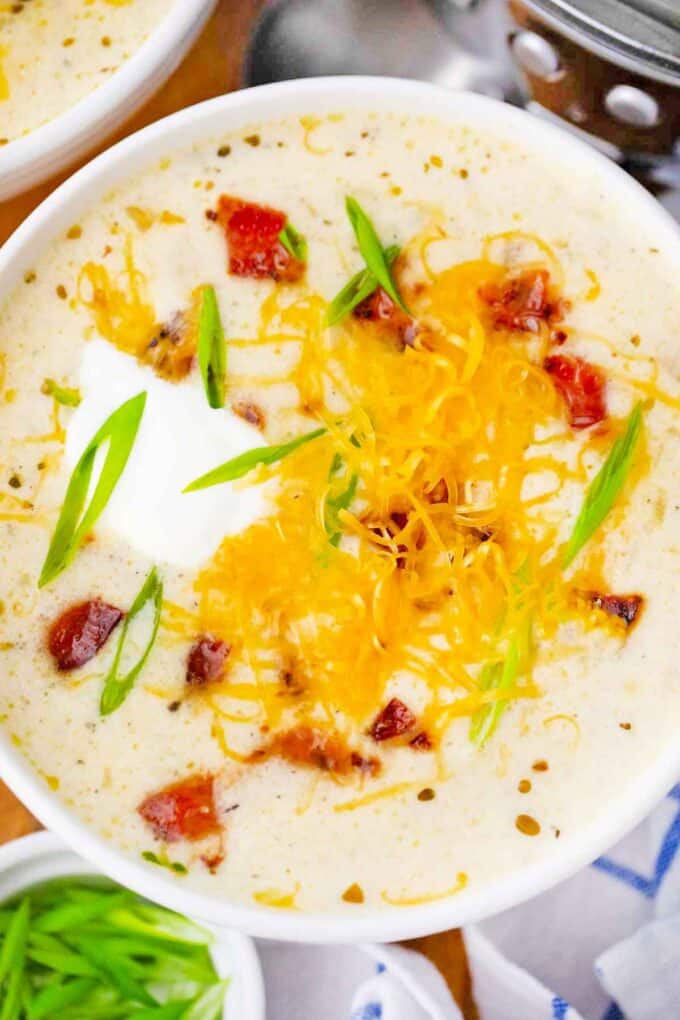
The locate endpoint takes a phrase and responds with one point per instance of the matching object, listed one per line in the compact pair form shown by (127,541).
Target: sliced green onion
(13,962)
(212,350)
(497,677)
(372,251)
(116,687)
(239,466)
(75,522)
(294,242)
(163,861)
(56,996)
(209,1005)
(69,397)
(339,501)
(606,486)
(360,287)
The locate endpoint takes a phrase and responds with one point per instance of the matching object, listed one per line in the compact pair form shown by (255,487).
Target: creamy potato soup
(55,52)
(339,511)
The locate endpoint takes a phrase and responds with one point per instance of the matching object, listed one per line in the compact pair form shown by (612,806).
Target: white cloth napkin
(604,945)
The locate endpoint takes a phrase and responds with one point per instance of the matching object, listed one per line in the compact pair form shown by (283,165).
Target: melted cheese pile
(442,439)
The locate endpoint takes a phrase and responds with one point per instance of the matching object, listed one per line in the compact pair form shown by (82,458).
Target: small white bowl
(36,156)
(181,131)
(43,857)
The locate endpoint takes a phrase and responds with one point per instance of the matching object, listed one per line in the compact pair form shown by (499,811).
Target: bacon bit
(252,233)
(421,742)
(582,387)
(394,720)
(184,810)
(558,336)
(623,607)
(250,412)
(379,307)
(77,635)
(205,662)
(316,748)
(171,350)
(523,300)
(212,861)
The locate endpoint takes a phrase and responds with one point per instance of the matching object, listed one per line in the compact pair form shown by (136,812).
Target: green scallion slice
(116,687)
(118,434)
(372,251)
(294,242)
(606,486)
(360,287)
(212,350)
(239,466)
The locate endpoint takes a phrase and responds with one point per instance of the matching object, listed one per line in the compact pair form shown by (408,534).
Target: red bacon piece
(184,810)
(380,308)
(582,387)
(205,662)
(522,301)
(252,233)
(394,720)
(316,748)
(76,636)
(624,607)
(421,742)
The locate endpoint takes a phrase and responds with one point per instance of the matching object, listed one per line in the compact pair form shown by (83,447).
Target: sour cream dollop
(180,437)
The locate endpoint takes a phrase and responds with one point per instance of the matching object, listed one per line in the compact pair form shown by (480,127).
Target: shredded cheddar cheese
(445,438)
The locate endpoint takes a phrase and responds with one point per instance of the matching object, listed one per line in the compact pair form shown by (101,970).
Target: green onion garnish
(372,250)
(69,397)
(113,955)
(338,501)
(75,522)
(116,687)
(163,861)
(294,242)
(360,287)
(606,486)
(212,351)
(239,466)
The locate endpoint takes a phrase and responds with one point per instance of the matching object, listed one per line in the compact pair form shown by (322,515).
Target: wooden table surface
(210,69)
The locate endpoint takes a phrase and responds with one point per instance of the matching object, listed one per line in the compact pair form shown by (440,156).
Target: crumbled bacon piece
(523,300)
(212,861)
(317,748)
(205,662)
(625,607)
(184,810)
(582,387)
(394,720)
(421,742)
(379,307)
(252,233)
(76,636)
(250,412)
(171,350)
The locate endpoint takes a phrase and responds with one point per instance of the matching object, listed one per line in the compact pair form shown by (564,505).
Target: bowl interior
(181,131)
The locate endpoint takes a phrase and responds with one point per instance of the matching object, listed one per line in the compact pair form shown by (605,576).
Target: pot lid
(643,35)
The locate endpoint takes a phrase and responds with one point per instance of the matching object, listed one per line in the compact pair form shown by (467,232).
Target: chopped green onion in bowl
(83,948)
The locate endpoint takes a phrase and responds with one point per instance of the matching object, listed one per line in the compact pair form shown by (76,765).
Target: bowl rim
(60,860)
(62,138)
(179,131)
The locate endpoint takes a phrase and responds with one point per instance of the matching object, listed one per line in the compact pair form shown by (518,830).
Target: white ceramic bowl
(62,209)
(42,857)
(58,143)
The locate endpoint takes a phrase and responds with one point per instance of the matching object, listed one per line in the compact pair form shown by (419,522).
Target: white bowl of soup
(338,520)
(71,71)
